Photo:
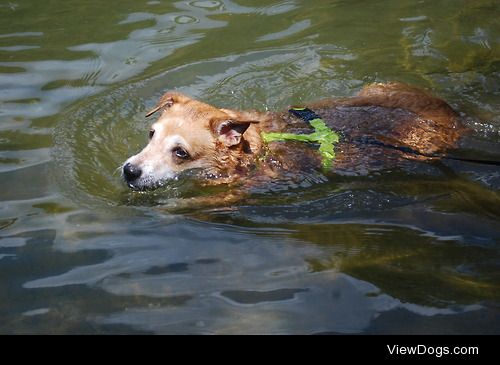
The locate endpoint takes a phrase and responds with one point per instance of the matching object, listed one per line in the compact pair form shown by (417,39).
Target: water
(404,251)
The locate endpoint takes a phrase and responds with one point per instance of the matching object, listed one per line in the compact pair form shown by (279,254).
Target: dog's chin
(137,187)
(143,185)
(148,183)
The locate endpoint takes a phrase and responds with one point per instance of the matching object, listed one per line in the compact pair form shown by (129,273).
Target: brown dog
(382,126)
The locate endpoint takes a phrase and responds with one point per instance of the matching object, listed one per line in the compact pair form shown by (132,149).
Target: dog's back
(385,125)
(396,114)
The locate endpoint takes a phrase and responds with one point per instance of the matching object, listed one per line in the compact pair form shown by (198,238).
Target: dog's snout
(131,172)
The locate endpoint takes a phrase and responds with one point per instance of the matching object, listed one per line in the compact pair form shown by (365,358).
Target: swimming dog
(379,128)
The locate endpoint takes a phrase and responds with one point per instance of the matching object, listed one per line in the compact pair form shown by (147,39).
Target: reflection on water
(413,250)
(220,280)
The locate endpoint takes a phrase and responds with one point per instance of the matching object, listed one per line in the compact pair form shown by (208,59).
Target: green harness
(322,134)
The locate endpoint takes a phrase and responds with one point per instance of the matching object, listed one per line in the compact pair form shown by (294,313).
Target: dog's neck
(244,156)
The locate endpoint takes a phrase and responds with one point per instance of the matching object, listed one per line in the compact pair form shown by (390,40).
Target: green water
(403,251)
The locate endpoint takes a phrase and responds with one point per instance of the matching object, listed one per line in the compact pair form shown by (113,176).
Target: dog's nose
(131,172)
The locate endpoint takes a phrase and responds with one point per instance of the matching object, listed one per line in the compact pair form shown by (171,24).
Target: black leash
(373,141)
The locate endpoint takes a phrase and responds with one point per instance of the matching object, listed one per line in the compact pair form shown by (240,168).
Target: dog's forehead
(192,130)
(193,114)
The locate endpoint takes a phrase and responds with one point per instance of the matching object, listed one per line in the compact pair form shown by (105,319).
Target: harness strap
(322,134)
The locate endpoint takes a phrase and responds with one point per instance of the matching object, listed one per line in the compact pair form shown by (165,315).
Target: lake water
(402,251)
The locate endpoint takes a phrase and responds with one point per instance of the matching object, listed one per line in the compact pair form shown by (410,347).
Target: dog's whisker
(119,170)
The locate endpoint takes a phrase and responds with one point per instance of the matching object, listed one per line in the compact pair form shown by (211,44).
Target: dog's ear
(229,131)
(166,101)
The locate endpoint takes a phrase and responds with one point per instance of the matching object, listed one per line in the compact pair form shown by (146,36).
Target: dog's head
(187,135)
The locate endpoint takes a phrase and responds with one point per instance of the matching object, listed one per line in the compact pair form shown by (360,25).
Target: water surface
(412,250)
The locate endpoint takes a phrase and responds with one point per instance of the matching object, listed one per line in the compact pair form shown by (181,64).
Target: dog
(381,127)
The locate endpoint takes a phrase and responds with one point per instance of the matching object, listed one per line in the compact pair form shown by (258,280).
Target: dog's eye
(151,133)
(180,152)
